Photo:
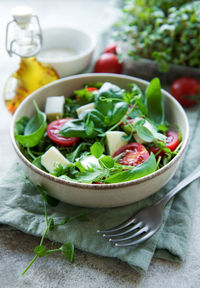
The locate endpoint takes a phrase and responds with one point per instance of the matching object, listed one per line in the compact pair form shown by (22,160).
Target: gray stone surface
(16,248)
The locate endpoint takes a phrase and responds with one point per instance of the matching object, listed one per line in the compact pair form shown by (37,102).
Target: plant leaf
(96,149)
(33,130)
(154,101)
(68,251)
(139,171)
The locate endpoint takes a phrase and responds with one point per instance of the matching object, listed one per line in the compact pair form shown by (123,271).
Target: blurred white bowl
(68,50)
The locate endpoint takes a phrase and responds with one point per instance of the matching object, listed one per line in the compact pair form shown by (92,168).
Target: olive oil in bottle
(25,42)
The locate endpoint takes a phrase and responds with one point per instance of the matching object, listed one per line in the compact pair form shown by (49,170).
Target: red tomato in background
(172,142)
(111,48)
(184,88)
(91,89)
(53,133)
(108,63)
(133,154)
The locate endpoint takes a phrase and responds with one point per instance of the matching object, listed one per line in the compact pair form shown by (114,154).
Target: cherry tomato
(172,142)
(111,48)
(184,88)
(108,63)
(91,89)
(53,129)
(133,154)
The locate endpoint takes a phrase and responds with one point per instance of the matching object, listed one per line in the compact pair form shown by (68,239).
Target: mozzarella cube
(115,141)
(54,107)
(84,108)
(51,158)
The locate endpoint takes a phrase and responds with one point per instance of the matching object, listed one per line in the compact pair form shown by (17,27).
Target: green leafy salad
(101,134)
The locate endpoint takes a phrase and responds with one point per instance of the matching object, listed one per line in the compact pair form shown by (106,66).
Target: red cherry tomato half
(108,63)
(172,142)
(53,133)
(111,48)
(133,154)
(185,88)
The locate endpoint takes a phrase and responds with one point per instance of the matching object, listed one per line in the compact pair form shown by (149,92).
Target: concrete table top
(16,248)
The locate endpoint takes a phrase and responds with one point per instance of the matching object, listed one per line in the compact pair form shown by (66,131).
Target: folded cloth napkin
(21,206)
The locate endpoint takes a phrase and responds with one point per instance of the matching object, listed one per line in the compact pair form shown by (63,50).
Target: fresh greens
(163,30)
(139,171)
(140,114)
(67,249)
(30,132)
(154,102)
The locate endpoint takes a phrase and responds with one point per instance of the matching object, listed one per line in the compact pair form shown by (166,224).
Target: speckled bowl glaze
(100,195)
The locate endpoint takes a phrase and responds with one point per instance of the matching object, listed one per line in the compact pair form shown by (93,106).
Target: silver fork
(147,221)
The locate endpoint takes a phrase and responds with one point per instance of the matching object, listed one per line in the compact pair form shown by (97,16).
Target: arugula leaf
(33,130)
(154,101)
(76,153)
(97,149)
(139,171)
(92,175)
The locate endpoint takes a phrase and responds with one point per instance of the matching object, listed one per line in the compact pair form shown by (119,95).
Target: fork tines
(122,234)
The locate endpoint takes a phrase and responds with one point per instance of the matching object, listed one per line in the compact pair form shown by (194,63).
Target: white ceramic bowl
(68,50)
(100,195)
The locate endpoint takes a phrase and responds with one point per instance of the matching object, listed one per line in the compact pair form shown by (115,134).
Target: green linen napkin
(21,206)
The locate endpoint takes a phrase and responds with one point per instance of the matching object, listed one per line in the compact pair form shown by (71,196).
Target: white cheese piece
(54,107)
(148,125)
(90,160)
(115,141)
(84,108)
(51,158)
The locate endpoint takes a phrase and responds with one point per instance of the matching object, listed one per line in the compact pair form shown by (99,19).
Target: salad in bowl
(102,134)
(99,139)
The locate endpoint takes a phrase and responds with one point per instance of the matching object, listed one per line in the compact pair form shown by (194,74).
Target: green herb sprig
(67,249)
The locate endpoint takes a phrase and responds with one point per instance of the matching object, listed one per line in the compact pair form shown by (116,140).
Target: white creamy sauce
(58,54)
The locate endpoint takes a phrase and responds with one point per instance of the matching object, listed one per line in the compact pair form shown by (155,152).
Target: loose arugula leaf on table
(139,171)
(33,129)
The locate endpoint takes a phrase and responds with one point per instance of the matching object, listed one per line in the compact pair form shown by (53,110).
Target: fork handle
(186,181)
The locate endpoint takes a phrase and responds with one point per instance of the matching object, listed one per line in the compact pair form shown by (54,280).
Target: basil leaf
(89,127)
(21,124)
(97,149)
(73,128)
(119,110)
(154,101)
(67,250)
(34,129)
(110,90)
(106,162)
(139,171)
